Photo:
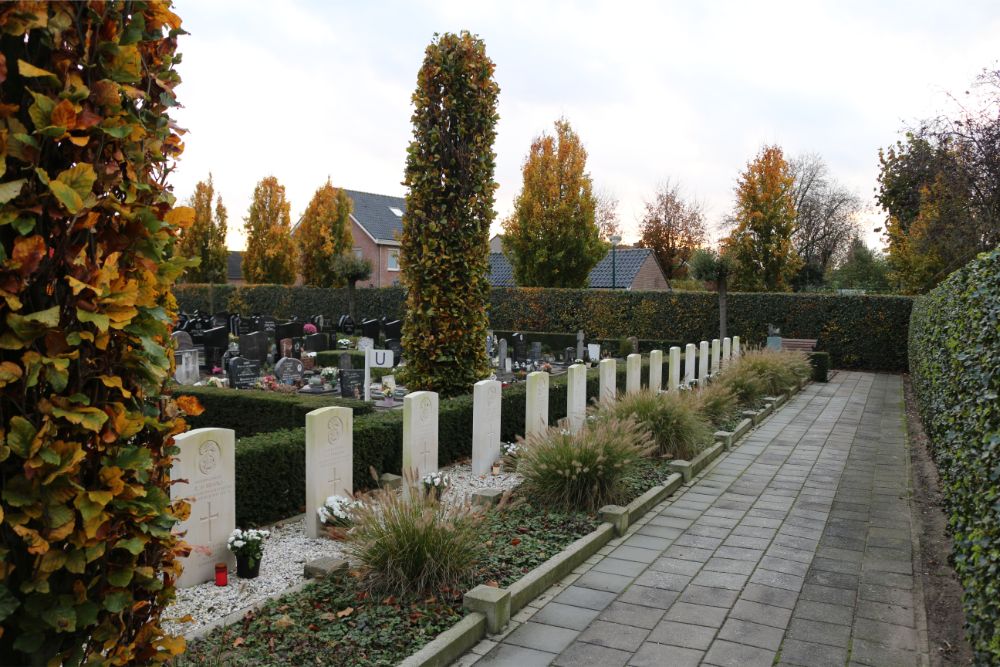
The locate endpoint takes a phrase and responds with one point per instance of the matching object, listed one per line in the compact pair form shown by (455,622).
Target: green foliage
(88,236)
(323,236)
(282,301)
(820,366)
(206,237)
(955,365)
(862,269)
(349,268)
(420,544)
(551,238)
(710,266)
(716,402)
(679,430)
(270,253)
(583,470)
(449,208)
(249,412)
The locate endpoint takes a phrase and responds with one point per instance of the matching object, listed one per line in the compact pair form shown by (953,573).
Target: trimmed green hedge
(820,366)
(858,331)
(249,411)
(955,363)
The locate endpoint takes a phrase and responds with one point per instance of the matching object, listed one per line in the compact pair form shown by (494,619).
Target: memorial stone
(576,397)
(608,375)
(727,352)
(370,329)
(352,383)
(716,356)
(536,405)
(656,371)
(285,347)
(674,380)
(394,346)
(243,373)
(633,373)
(317,342)
(255,345)
(187,371)
(206,462)
(536,351)
(503,354)
(329,460)
(690,356)
(593,352)
(289,370)
(485,425)
(420,433)
(736,347)
(579,344)
(393,329)
(703,363)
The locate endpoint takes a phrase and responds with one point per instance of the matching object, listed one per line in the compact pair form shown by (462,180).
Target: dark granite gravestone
(243,373)
(243,326)
(569,354)
(298,347)
(346,325)
(255,346)
(220,319)
(352,383)
(397,349)
(234,324)
(318,322)
(216,342)
(370,329)
(317,342)
(536,351)
(345,361)
(269,324)
(288,370)
(502,354)
(580,349)
(288,330)
(393,329)
(520,347)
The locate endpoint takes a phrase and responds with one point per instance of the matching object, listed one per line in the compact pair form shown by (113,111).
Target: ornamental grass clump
(673,421)
(417,544)
(582,471)
(715,402)
(774,371)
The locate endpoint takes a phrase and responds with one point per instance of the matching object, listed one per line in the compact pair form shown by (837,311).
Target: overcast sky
(687,91)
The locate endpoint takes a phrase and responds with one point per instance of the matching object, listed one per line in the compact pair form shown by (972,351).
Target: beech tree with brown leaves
(673,229)
(206,237)
(270,253)
(324,234)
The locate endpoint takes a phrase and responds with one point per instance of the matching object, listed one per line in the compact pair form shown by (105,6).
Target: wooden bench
(798,344)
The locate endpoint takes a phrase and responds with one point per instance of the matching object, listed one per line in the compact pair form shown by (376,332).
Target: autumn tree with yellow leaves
(760,243)
(323,234)
(270,253)
(88,255)
(552,238)
(206,237)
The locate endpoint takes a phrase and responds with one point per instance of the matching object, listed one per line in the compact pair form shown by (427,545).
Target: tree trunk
(722,308)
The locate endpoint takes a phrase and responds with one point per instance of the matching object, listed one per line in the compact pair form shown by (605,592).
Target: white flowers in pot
(437,482)
(248,546)
(338,511)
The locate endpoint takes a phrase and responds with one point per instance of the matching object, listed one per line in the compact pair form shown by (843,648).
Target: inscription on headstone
(289,370)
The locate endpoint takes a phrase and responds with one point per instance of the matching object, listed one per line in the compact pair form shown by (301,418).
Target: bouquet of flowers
(215,382)
(248,545)
(343,343)
(337,511)
(308,328)
(437,482)
(329,374)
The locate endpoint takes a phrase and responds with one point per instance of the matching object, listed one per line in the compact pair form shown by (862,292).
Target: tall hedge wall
(955,363)
(858,331)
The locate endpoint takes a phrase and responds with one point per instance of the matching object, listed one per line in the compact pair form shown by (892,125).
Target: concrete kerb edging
(450,644)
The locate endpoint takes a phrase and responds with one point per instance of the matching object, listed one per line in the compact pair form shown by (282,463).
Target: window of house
(395,211)
(393,262)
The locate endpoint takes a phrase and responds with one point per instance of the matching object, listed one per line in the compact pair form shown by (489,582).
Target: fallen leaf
(238,642)
(345,612)
(284,621)
(328,616)
(493,584)
(515,541)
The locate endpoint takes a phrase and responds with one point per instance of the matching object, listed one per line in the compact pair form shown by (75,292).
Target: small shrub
(820,366)
(417,545)
(673,421)
(715,402)
(765,372)
(585,470)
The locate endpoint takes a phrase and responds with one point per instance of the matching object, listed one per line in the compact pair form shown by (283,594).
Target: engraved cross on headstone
(209,518)
(335,480)
(426,453)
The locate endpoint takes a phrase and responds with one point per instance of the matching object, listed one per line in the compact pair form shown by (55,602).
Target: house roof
(627,263)
(234,265)
(375,214)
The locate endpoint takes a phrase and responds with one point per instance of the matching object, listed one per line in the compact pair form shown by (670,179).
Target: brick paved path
(794,549)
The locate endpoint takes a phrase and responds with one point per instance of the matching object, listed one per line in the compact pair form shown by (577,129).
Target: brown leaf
(515,541)
(64,115)
(343,613)
(28,253)
(284,621)
(238,642)
(493,584)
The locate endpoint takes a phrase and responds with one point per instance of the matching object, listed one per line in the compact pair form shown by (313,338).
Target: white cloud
(688,91)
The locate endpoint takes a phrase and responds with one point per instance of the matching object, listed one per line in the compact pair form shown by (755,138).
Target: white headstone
(536,404)
(736,347)
(207,461)
(656,371)
(576,397)
(485,425)
(187,366)
(716,355)
(593,351)
(674,380)
(420,432)
(689,363)
(365,343)
(633,373)
(607,372)
(508,364)
(703,363)
(727,351)
(329,460)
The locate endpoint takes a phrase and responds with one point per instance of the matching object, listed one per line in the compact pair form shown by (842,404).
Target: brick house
(631,269)
(376,225)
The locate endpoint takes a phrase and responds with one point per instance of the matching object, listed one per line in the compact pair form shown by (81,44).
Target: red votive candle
(221,574)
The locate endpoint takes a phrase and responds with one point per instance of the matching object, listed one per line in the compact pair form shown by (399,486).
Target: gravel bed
(285,553)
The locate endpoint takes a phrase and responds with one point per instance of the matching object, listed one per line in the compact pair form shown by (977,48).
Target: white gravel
(286,551)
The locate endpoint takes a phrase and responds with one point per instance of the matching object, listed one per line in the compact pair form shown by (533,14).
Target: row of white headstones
(204,469)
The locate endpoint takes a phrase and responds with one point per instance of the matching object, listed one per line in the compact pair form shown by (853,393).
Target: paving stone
(659,531)
(841,596)
(509,655)
(811,654)
(565,616)
(729,654)
(819,632)
(676,566)
(635,554)
(667,580)
(778,597)
(648,542)
(651,654)
(682,634)
(865,652)
(886,634)
(631,614)
(696,614)
(629,568)
(733,582)
(887,613)
(822,611)
(604,581)
(585,597)
(754,634)
(777,580)
(764,614)
(716,564)
(614,635)
(713,597)
(541,637)
(591,655)
(649,597)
